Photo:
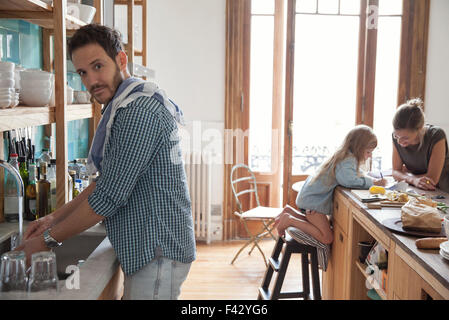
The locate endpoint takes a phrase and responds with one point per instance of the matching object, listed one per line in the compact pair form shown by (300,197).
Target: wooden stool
(288,246)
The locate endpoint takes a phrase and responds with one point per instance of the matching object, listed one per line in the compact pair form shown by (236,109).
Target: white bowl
(7,66)
(7,83)
(35,75)
(81,97)
(7,75)
(7,90)
(81,11)
(5,103)
(46,84)
(36,98)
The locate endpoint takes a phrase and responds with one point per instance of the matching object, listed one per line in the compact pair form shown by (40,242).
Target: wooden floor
(212,277)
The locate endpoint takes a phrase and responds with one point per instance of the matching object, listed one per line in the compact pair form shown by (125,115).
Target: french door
(346,66)
(301,73)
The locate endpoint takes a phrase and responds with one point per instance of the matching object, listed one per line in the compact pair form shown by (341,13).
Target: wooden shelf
(362,267)
(36,12)
(23,116)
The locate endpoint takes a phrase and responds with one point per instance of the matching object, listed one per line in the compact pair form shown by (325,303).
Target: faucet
(20,194)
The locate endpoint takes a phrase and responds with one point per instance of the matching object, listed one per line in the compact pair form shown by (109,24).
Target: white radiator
(198,170)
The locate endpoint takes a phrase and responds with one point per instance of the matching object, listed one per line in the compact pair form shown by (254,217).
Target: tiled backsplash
(21,43)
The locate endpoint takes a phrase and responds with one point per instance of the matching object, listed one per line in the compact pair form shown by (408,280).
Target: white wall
(437,78)
(186,48)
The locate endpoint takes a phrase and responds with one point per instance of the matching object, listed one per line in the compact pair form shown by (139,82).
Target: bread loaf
(429,243)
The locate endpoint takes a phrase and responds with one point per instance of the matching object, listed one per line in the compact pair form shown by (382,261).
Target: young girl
(315,198)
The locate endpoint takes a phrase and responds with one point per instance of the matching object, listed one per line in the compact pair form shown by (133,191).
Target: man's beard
(116,81)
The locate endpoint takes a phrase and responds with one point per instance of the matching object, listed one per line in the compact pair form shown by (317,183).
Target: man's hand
(31,246)
(37,227)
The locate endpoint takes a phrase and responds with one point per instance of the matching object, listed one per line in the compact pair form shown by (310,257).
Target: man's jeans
(161,279)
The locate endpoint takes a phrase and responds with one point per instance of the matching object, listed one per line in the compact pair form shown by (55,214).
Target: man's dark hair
(109,39)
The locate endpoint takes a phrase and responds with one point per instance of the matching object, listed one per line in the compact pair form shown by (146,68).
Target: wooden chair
(264,214)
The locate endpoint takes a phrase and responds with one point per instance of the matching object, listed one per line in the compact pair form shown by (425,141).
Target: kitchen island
(411,273)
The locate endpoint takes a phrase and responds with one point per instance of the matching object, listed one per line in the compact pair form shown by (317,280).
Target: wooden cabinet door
(336,288)
(341,213)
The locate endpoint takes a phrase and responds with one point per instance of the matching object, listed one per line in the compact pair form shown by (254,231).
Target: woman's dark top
(417,159)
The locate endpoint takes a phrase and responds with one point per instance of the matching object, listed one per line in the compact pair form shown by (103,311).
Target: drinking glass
(13,272)
(43,276)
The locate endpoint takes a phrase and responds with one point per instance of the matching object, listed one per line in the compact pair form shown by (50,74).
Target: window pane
(387,79)
(388,7)
(328,6)
(306,6)
(261,93)
(325,82)
(262,6)
(350,7)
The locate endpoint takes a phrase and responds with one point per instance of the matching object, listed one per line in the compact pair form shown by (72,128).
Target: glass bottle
(45,156)
(43,193)
(51,176)
(72,174)
(11,205)
(24,175)
(31,192)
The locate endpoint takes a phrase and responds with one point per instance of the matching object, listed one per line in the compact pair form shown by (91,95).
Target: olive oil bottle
(43,192)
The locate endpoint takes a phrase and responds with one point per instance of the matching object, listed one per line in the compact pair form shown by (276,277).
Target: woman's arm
(428,180)
(436,162)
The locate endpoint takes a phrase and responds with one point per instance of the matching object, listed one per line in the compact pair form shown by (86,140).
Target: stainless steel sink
(75,249)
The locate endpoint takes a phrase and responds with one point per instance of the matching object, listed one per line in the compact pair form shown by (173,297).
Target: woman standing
(420,152)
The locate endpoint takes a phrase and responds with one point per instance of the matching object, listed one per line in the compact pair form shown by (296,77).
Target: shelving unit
(130,47)
(57,23)
(376,285)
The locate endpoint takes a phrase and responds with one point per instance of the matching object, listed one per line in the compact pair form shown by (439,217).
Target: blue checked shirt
(142,189)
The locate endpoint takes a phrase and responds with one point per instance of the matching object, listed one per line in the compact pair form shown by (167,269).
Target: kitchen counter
(95,274)
(430,260)
(354,222)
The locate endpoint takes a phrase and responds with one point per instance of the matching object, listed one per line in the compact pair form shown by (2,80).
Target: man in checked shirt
(141,192)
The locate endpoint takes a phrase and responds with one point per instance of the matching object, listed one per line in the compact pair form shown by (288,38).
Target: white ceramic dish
(445,247)
(35,75)
(5,104)
(41,84)
(7,66)
(36,98)
(81,11)
(7,83)
(6,75)
(444,255)
(81,97)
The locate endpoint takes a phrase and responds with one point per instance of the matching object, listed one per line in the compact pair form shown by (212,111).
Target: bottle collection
(39,178)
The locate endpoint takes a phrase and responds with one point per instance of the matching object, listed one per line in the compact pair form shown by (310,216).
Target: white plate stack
(8,96)
(36,87)
(444,250)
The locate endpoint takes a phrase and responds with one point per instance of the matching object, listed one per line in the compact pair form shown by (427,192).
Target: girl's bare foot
(282,222)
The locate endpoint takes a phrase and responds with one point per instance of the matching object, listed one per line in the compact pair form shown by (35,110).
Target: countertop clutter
(408,272)
(93,276)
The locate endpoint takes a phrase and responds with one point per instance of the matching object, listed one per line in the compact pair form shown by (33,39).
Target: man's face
(100,74)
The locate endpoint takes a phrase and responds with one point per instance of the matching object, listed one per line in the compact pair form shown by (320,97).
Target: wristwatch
(50,242)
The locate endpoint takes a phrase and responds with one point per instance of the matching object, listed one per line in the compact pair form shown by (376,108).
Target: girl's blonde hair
(356,142)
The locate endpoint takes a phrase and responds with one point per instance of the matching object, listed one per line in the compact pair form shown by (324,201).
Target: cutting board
(366,196)
(382,204)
